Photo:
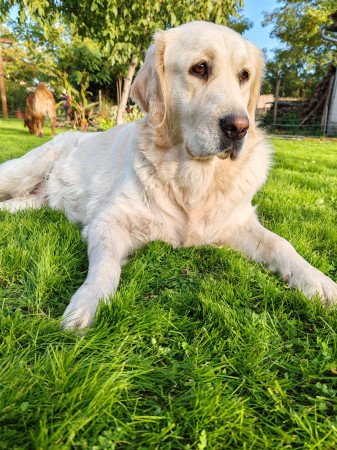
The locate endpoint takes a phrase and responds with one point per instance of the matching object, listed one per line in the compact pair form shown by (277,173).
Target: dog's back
(73,172)
(44,102)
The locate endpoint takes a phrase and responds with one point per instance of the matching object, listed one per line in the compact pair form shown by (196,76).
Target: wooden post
(3,90)
(326,105)
(277,92)
(2,80)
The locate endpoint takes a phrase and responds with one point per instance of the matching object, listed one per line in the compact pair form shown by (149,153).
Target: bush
(107,117)
(132,114)
(16,96)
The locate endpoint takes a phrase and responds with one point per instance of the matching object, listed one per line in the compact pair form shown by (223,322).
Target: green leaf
(173,18)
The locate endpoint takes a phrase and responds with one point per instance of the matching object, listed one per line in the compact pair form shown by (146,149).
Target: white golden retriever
(185,174)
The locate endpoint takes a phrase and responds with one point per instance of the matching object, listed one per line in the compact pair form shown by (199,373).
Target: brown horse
(40,104)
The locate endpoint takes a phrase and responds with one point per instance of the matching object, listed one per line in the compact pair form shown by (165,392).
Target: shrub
(107,117)
(16,96)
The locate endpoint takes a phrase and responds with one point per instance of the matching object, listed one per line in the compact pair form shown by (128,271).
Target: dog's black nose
(234,127)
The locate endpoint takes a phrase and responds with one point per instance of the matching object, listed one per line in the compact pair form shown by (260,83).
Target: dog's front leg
(108,246)
(260,244)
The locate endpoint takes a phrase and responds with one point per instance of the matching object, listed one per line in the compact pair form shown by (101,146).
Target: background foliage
(110,37)
(104,41)
(304,56)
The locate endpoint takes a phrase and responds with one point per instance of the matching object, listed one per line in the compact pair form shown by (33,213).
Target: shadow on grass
(14,130)
(21,132)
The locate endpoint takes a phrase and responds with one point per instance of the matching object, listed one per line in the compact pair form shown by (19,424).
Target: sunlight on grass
(198,349)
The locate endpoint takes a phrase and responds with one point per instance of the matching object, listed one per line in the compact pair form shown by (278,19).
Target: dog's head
(30,124)
(201,81)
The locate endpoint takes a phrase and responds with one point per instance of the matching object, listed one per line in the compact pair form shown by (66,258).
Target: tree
(125,26)
(294,82)
(24,59)
(79,56)
(42,54)
(305,55)
(23,63)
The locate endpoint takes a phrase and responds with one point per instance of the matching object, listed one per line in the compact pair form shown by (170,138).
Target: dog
(185,174)
(40,104)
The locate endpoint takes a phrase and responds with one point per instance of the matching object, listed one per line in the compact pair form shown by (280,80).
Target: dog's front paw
(313,283)
(78,316)
(80,313)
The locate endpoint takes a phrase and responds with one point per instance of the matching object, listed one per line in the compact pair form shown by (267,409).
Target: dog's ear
(256,83)
(148,89)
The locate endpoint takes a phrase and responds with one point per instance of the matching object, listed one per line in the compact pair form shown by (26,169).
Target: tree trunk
(119,89)
(100,100)
(126,89)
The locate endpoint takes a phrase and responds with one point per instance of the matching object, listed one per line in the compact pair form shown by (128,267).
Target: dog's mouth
(230,150)
(232,153)
(198,157)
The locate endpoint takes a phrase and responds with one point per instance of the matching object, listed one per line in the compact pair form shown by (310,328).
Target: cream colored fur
(167,176)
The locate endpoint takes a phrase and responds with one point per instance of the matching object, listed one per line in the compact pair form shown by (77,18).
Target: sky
(259,35)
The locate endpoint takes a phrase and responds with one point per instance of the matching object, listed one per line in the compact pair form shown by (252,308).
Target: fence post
(277,92)
(3,89)
(326,105)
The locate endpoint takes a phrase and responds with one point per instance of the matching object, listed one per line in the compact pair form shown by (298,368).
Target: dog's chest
(206,222)
(192,226)
(200,227)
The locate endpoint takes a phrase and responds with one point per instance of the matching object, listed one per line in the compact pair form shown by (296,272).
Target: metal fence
(281,129)
(315,130)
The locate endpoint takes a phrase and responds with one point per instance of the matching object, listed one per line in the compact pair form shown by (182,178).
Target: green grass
(199,348)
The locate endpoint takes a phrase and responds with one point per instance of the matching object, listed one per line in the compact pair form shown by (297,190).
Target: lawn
(199,348)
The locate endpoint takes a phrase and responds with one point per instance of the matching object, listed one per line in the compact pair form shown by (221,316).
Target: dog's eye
(244,76)
(200,70)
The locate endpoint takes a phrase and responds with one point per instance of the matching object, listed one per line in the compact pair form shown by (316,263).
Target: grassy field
(199,349)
